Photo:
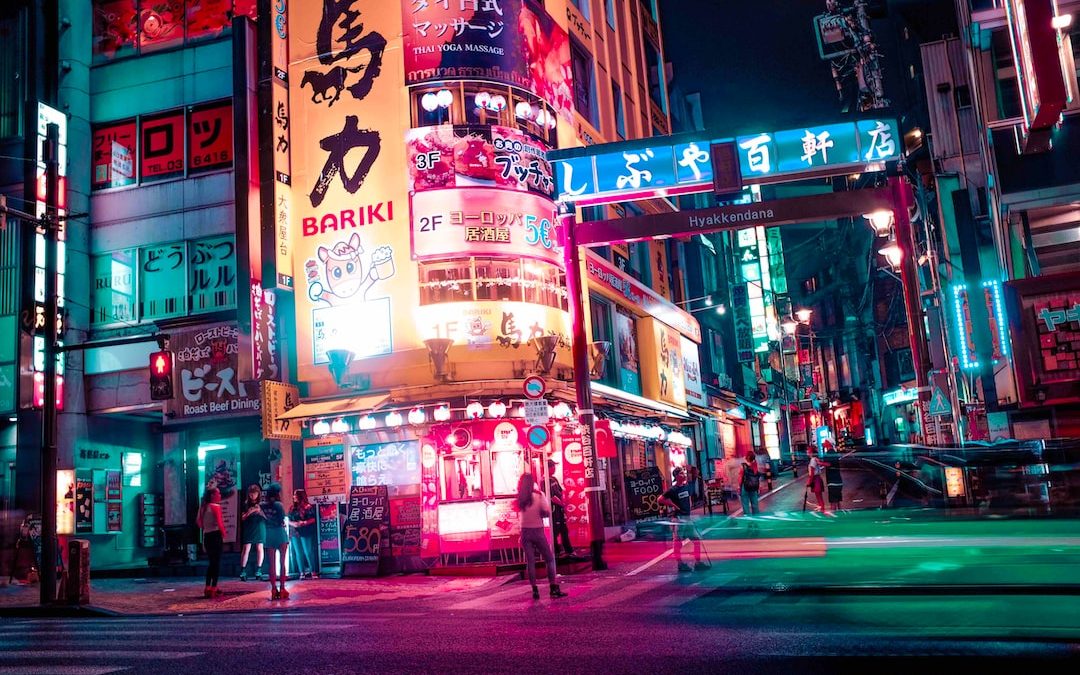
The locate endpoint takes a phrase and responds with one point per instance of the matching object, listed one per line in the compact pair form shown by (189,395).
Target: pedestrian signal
(161,379)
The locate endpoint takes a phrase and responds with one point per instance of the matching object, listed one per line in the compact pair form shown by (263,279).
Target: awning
(753,405)
(335,407)
(619,396)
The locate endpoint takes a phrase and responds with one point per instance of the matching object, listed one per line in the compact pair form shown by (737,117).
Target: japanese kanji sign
(478,221)
(277,399)
(206,374)
(367,518)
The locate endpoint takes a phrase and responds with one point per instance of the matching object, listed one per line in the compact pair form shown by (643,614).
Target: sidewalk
(184,595)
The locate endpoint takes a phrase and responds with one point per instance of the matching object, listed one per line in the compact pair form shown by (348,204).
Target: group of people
(264,528)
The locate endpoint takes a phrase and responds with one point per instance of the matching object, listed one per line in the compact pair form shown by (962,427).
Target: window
(1008,91)
(602,331)
(11,76)
(620,117)
(609,7)
(584,82)
(487,279)
(163,281)
(162,146)
(129,27)
(583,7)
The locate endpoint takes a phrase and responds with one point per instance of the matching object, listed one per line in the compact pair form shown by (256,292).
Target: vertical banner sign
(264,343)
(329,535)
(325,476)
(356,283)
(406,526)
(429,495)
(222,473)
(84,502)
(282,138)
(575,480)
(367,517)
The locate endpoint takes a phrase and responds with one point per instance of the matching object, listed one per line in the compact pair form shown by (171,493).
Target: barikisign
(534,387)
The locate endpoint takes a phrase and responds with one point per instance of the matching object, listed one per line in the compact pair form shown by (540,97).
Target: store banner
(447,156)
(482,221)
(355,282)
(406,526)
(329,535)
(510,41)
(206,368)
(622,288)
(605,440)
(277,399)
(574,482)
(695,389)
(664,382)
(264,327)
(222,472)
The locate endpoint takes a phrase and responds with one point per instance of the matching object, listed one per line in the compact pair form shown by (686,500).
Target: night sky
(756,62)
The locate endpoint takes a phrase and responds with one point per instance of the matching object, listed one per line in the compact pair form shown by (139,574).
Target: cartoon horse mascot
(344,273)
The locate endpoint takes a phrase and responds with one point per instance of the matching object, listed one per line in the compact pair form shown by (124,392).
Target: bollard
(78,579)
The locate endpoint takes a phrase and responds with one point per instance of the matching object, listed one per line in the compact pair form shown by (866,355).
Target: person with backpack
(749,484)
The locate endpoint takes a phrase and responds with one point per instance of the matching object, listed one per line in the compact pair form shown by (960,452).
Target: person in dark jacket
(558,511)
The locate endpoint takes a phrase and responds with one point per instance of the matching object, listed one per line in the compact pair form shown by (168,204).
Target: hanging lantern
(394,419)
(482,99)
(474,410)
(497,409)
(561,410)
(441,412)
(524,111)
(429,102)
(339,426)
(320,428)
(445,98)
(365,423)
(417,416)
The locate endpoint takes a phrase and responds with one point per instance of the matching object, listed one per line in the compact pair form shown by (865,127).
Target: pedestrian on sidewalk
(533,507)
(253,532)
(558,511)
(816,478)
(212,524)
(277,541)
(678,499)
(750,484)
(302,516)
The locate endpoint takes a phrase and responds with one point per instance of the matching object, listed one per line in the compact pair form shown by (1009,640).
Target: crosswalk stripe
(510,593)
(92,654)
(632,591)
(683,595)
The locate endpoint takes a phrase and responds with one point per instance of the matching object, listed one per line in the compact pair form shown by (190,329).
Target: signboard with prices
(367,519)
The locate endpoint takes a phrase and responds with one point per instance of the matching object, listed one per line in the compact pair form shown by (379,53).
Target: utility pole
(50,223)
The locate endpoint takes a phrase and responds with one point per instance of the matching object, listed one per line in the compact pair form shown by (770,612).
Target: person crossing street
(678,498)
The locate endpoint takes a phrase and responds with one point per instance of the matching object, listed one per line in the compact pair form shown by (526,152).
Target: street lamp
(893,254)
(790,326)
(881,220)
(803,315)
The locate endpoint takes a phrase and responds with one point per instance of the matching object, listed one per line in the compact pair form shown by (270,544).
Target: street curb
(920,589)
(58,612)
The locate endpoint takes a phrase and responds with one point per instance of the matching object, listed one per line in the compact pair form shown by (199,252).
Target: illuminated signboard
(995,309)
(355,282)
(643,299)
(1044,322)
(483,221)
(447,156)
(510,41)
(483,324)
(661,166)
(695,391)
(1035,48)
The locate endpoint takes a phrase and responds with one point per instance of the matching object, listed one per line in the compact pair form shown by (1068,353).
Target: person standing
(302,516)
(212,524)
(750,484)
(253,532)
(533,506)
(558,511)
(816,478)
(678,498)
(277,541)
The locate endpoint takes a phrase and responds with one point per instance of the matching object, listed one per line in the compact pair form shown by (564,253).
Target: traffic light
(161,380)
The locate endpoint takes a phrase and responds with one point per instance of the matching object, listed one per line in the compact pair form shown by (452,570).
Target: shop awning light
(339,426)
(320,428)
(561,410)
(394,419)
(417,416)
(497,409)
(881,221)
(474,410)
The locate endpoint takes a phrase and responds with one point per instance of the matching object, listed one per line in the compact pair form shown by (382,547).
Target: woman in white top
(816,479)
(212,525)
(533,506)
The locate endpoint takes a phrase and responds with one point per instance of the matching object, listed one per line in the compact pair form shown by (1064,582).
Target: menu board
(405,526)
(643,489)
(329,535)
(84,503)
(367,517)
(324,473)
